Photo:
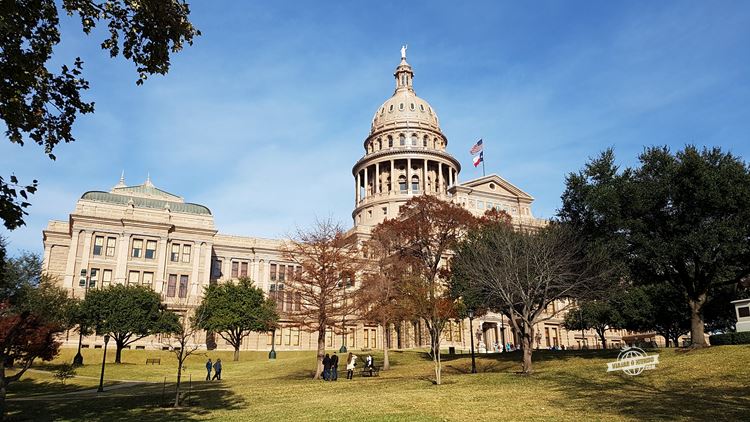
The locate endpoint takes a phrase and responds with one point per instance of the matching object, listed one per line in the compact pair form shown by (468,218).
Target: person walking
(326,367)
(209,365)
(350,365)
(217,370)
(334,367)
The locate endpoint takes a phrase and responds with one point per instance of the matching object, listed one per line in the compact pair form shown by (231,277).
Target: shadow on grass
(644,397)
(150,401)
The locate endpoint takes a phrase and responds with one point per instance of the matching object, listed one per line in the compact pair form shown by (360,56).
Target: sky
(263,117)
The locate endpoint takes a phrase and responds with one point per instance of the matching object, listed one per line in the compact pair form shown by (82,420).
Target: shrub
(65,371)
(730,338)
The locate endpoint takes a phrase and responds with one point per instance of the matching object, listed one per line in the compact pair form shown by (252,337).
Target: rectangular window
(273,272)
(137,248)
(282,273)
(183,286)
(351,331)
(243,269)
(290,272)
(329,338)
(280,300)
(480,205)
(150,249)
(172,285)
(269,338)
(106,278)
(148,280)
(298,301)
(278,337)
(366,338)
(185,253)
(288,337)
(743,311)
(235,269)
(94,277)
(295,336)
(133,277)
(111,241)
(216,269)
(289,300)
(546,335)
(174,255)
(98,245)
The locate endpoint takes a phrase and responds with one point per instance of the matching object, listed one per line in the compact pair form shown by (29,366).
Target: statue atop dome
(403,51)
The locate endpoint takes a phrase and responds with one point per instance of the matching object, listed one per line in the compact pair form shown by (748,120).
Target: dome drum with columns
(404,155)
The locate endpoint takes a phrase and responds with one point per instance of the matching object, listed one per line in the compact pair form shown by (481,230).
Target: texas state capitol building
(144,235)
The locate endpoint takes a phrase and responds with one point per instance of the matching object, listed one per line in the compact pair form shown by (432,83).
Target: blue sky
(263,117)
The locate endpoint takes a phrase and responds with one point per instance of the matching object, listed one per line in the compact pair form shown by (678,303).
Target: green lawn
(696,385)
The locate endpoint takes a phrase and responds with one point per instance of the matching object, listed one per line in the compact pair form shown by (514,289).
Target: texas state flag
(479,158)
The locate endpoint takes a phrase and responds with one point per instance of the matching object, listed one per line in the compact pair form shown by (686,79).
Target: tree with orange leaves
(328,262)
(421,238)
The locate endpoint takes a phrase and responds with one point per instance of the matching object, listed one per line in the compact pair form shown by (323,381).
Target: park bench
(153,361)
(370,372)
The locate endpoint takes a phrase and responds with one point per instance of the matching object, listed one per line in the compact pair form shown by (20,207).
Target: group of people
(331,366)
(216,366)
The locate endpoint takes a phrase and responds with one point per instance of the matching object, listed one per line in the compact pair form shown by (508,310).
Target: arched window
(413,139)
(415,184)
(379,145)
(401,106)
(388,181)
(402,184)
(402,139)
(411,106)
(424,141)
(390,141)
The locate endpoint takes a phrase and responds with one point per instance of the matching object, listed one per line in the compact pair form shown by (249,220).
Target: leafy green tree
(677,218)
(234,310)
(33,313)
(127,313)
(599,315)
(658,307)
(40,104)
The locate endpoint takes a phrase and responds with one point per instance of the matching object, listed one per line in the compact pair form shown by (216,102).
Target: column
(194,274)
(206,279)
(377,178)
(424,177)
(366,184)
(161,267)
(356,190)
(70,266)
(226,268)
(122,258)
(441,189)
(408,175)
(393,177)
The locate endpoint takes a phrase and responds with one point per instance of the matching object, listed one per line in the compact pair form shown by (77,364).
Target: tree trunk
(118,351)
(436,358)
(321,352)
(3,388)
(528,348)
(603,337)
(676,339)
(386,336)
(697,329)
(236,352)
(179,377)
(666,339)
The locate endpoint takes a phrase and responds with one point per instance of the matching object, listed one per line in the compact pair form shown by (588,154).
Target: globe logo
(633,361)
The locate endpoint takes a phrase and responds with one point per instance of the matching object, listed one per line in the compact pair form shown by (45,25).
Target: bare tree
(328,262)
(520,273)
(183,343)
(422,237)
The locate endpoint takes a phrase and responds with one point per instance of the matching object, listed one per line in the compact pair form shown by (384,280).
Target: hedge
(730,338)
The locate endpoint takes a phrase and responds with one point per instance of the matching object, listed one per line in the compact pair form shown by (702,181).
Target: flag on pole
(476,148)
(479,158)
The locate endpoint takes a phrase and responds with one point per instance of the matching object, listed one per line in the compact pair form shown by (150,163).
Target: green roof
(138,202)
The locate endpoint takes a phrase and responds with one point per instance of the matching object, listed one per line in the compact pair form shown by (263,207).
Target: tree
(328,263)
(33,312)
(657,307)
(681,219)
(424,234)
(377,298)
(521,273)
(234,310)
(183,344)
(599,315)
(127,313)
(39,104)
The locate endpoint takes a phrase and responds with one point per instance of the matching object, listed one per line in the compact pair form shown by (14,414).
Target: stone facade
(144,235)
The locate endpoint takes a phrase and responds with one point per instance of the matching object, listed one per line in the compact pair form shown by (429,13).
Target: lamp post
(502,331)
(272,353)
(85,282)
(344,283)
(104,360)
(471,331)
(580,318)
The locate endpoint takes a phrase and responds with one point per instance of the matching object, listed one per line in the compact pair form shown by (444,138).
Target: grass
(572,385)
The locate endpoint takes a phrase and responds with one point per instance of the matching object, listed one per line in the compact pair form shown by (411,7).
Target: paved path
(87,393)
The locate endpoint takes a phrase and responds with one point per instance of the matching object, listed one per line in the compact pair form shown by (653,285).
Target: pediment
(496,185)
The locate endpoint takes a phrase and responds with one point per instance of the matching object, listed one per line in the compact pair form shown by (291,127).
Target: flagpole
(482,166)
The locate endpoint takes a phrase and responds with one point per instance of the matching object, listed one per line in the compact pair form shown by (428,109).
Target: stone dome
(404,108)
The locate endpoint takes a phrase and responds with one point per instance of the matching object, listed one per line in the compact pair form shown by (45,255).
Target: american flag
(476,148)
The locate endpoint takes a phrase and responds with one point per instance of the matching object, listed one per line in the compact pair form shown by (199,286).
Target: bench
(153,361)
(370,372)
